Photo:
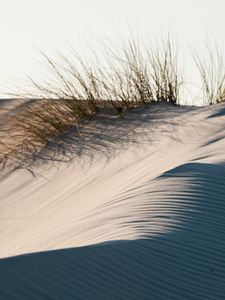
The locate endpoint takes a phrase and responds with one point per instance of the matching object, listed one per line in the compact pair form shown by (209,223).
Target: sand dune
(132,209)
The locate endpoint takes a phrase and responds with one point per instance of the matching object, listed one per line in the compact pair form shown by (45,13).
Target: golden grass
(73,90)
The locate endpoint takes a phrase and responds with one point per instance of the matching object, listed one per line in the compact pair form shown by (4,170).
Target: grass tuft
(211,67)
(74,90)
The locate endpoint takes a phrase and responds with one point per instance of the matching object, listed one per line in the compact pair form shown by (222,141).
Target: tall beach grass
(73,90)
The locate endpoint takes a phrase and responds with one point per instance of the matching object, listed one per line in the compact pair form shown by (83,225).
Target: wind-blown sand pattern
(138,213)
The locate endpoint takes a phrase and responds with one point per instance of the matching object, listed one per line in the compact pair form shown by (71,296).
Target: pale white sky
(26,24)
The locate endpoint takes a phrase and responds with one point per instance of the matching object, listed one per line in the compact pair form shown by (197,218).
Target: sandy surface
(137,213)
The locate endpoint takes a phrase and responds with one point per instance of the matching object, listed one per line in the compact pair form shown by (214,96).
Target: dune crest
(138,213)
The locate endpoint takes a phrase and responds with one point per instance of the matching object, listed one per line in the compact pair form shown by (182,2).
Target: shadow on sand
(186,263)
(107,135)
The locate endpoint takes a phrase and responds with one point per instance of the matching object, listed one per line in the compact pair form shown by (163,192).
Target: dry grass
(211,67)
(166,80)
(74,90)
(31,127)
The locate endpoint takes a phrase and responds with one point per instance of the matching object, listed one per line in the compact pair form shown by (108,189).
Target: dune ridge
(139,214)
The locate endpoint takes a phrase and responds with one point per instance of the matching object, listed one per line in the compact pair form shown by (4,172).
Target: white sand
(140,214)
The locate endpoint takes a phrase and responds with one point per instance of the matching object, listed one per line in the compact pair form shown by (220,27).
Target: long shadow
(106,135)
(187,262)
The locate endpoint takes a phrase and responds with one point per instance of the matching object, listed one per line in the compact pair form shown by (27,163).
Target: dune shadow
(187,262)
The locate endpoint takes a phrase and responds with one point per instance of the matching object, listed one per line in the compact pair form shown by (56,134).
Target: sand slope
(138,214)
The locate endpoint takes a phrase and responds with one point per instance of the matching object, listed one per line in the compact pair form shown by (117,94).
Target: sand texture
(132,208)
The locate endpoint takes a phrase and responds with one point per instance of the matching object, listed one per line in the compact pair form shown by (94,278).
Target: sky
(26,25)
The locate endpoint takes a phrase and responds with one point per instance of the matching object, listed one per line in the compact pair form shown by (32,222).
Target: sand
(136,212)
